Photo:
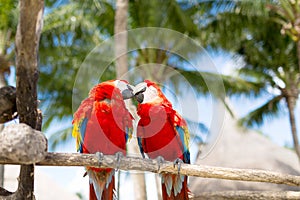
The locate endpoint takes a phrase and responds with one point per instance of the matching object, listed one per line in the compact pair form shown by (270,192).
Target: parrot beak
(139,88)
(138,91)
(128,93)
(139,97)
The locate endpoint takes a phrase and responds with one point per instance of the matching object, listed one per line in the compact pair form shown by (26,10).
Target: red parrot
(162,132)
(103,124)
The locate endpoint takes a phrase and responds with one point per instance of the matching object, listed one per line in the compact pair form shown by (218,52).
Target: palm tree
(250,30)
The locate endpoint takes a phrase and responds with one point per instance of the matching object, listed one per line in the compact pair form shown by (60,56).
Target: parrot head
(148,92)
(107,90)
(125,88)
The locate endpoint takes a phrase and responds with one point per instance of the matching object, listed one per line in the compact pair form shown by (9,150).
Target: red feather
(105,131)
(159,137)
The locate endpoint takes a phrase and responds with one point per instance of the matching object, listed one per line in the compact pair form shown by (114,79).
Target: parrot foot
(100,157)
(118,155)
(160,160)
(177,162)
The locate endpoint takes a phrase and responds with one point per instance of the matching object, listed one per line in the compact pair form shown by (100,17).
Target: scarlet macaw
(103,124)
(162,132)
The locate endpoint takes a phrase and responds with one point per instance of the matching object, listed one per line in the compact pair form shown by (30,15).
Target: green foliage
(233,85)
(161,13)
(249,31)
(70,32)
(268,110)
(60,136)
(287,14)
(8,14)
(8,27)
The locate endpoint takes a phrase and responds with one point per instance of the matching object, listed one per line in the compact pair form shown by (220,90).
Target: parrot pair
(103,124)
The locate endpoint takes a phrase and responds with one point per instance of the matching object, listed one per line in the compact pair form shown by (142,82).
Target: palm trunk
(2,84)
(121,70)
(120,29)
(298,56)
(291,102)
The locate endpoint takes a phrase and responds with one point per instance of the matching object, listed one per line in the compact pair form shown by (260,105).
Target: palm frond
(60,137)
(211,83)
(266,111)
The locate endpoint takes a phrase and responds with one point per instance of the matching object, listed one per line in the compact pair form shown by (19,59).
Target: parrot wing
(128,126)
(141,146)
(80,121)
(184,136)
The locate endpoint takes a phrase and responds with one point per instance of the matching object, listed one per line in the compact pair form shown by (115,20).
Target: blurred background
(234,65)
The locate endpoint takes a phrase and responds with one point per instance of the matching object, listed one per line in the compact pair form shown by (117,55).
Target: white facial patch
(150,94)
(139,87)
(122,85)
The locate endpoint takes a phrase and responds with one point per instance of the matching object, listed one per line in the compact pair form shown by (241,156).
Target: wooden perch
(150,165)
(20,143)
(242,195)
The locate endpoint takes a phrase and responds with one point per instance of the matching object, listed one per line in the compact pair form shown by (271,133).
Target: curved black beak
(139,97)
(138,91)
(127,93)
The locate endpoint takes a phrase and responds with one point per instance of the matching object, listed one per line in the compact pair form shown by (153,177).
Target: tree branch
(150,165)
(8,106)
(244,195)
(27,45)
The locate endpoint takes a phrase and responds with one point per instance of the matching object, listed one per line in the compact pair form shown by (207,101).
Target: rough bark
(27,44)
(21,143)
(150,165)
(298,55)
(4,67)
(1,176)
(2,84)
(247,195)
(291,102)
(8,106)
(4,192)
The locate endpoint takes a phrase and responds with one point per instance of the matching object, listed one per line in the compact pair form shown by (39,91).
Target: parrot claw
(177,162)
(160,160)
(118,155)
(100,157)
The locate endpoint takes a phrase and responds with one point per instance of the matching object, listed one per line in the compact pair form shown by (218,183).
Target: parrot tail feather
(174,187)
(102,184)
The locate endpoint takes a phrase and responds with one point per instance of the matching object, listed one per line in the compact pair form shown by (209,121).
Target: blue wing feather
(82,128)
(140,146)
(182,135)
